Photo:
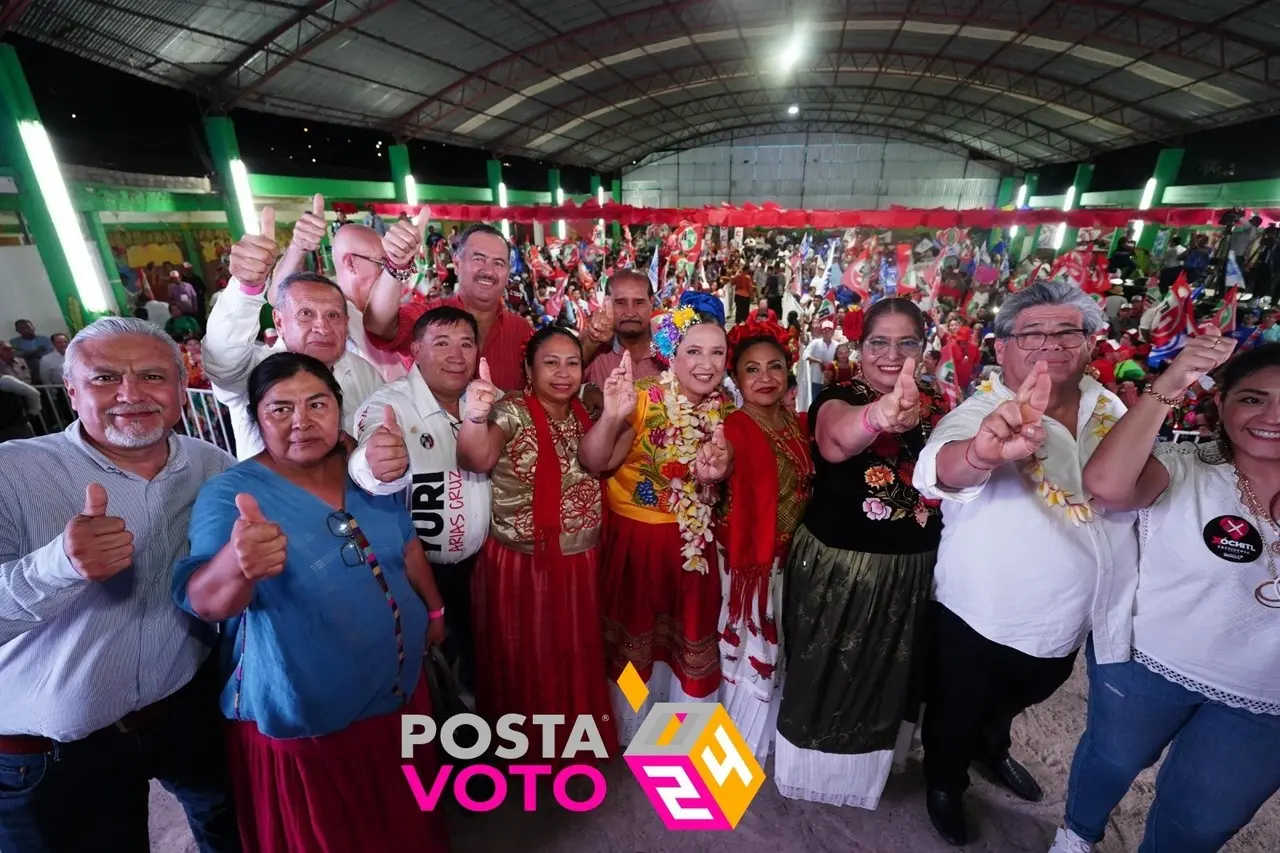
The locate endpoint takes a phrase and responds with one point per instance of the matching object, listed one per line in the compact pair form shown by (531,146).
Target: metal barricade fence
(203,416)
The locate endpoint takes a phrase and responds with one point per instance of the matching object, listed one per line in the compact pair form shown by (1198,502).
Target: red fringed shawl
(749,532)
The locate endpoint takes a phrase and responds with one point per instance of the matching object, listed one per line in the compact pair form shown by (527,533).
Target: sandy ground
(1044,739)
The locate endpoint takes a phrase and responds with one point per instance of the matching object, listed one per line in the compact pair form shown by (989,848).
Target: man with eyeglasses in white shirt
(1024,553)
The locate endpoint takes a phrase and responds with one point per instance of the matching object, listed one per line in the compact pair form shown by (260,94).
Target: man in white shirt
(51,363)
(1024,554)
(450,507)
(359,260)
(311,317)
(820,352)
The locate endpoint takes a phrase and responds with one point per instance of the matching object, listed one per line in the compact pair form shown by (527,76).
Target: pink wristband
(435,614)
(866,420)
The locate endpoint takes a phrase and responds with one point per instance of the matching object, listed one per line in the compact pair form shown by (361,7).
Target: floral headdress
(757,329)
(673,325)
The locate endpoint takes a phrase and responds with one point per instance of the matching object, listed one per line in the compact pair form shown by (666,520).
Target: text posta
(513,744)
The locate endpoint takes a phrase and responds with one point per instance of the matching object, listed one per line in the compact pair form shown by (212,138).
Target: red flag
(947,375)
(1225,317)
(906,281)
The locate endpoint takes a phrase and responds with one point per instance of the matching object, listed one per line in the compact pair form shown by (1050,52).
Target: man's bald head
(358,258)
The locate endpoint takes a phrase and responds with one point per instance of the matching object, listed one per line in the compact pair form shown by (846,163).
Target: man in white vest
(449,506)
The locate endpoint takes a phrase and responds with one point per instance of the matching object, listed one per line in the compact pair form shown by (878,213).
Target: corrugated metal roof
(605,82)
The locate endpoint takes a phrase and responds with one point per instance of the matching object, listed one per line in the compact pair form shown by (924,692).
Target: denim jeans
(1223,763)
(92,794)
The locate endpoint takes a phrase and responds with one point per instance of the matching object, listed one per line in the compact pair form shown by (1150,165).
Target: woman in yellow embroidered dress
(661,443)
(772,479)
(535,594)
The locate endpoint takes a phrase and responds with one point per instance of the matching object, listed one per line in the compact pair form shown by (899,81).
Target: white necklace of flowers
(688,427)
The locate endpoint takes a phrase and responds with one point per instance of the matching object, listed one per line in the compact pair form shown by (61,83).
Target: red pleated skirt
(654,610)
(538,640)
(341,793)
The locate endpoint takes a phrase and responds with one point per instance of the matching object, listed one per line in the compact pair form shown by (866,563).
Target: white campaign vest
(449,506)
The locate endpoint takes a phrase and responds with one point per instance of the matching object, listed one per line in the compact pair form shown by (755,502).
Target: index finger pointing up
(625,364)
(1033,396)
(267,222)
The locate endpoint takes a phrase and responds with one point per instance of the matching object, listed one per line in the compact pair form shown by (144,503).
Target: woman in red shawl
(535,591)
(842,370)
(764,502)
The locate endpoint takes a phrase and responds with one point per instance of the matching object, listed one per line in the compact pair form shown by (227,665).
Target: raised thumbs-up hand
(258,544)
(899,410)
(97,544)
(386,453)
(309,230)
(254,255)
(481,394)
(711,463)
(600,326)
(402,241)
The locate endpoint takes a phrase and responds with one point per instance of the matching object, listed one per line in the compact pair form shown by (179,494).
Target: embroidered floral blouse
(641,487)
(867,503)
(511,521)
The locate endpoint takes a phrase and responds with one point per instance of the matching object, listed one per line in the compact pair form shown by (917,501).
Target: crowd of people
(910,499)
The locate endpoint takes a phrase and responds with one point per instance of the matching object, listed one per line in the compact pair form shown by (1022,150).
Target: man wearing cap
(821,351)
(1114,302)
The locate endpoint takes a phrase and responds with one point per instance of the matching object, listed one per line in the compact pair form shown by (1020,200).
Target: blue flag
(653,269)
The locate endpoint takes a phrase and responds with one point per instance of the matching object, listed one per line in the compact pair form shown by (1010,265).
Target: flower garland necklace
(1077,511)
(688,427)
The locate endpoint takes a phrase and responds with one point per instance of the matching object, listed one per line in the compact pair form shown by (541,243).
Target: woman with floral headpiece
(771,480)
(661,443)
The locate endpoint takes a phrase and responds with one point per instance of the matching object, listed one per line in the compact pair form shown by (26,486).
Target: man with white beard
(103,682)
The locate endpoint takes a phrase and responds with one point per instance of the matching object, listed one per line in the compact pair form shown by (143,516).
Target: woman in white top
(1200,673)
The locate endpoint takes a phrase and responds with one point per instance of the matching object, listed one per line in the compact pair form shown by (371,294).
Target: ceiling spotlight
(793,110)
(791,53)
(306,130)
(73,115)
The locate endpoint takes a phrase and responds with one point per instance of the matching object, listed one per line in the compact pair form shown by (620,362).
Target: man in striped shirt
(482,263)
(103,683)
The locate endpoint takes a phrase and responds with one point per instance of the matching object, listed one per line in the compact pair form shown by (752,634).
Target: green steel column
(94,221)
(1084,174)
(1166,172)
(1004,193)
(17,105)
(399,157)
(615,192)
(220,132)
(192,246)
(1032,183)
(553,183)
(493,169)
(595,187)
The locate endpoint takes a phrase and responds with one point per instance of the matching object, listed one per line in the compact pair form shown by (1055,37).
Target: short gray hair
(305,277)
(111,327)
(1061,293)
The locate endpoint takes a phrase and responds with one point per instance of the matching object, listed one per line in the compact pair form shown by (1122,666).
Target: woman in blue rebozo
(323,594)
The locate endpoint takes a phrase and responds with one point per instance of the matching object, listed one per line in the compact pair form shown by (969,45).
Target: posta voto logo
(688,757)
(693,764)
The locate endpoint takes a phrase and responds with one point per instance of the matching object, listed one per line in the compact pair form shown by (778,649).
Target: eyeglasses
(382,262)
(1066,339)
(342,525)
(907,347)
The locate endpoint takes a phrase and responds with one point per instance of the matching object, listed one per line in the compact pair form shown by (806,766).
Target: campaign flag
(946,376)
(1173,323)
(1225,316)
(906,275)
(888,277)
(653,269)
